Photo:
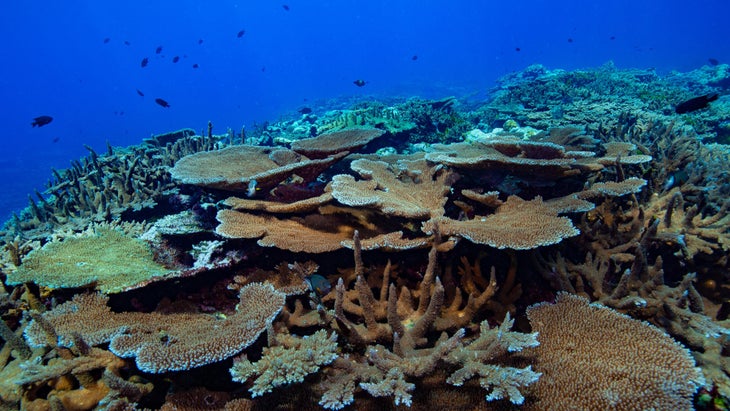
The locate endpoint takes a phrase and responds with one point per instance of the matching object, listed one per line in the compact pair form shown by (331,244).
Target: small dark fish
(263,69)
(158,50)
(141,94)
(319,284)
(162,102)
(144,62)
(612,38)
(694,104)
(41,121)
(285,6)
(126,43)
(359,82)
(305,110)
(195,65)
(200,41)
(414,58)
(713,61)
(517,49)
(107,40)
(723,312)
(56,139)
(570,39)
(241,33)
(176,59)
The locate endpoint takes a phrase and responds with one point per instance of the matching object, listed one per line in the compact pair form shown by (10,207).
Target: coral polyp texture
(608,360)
(561,245)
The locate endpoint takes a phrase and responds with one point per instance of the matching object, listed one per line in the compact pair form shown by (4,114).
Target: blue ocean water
(80,61)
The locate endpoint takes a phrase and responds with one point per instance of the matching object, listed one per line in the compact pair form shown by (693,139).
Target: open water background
(55,61)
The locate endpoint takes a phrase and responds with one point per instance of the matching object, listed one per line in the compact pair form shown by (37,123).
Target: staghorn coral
(493,343)
(163,342)
(683,225)
(607,360)
(385,372)
(103,187)
(620,258)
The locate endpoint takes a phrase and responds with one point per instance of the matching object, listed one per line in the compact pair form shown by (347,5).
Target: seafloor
(562,245)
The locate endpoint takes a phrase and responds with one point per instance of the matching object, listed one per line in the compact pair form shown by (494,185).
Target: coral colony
(563,245)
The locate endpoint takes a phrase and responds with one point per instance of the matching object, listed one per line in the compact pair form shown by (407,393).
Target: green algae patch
(107,259)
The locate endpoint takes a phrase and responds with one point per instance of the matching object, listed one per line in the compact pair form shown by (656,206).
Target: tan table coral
(517,224)
(236,168)
(350,140)
(161,342)
(594,358)
(413,189)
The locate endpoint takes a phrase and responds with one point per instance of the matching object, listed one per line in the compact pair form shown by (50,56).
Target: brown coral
(607,360)
(347,140)
(517,224)
(292,235)
(411,189)
(163,342)
(236,168)
(516,156)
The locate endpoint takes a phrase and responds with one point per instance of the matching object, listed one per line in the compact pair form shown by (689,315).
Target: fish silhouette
(359,82)
(41,121)
(162,102)
(697,103)
(144,62)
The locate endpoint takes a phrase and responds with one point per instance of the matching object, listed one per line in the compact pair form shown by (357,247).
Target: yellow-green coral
(107,258)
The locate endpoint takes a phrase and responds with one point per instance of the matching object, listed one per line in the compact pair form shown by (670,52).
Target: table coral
(333,142)
(163,342)
(607,360)
(235,168)
(413,189)
(90,259)
(517,224)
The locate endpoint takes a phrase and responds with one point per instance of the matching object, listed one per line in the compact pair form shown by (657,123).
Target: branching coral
(288,361)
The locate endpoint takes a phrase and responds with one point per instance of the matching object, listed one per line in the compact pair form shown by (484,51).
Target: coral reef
(564,242)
